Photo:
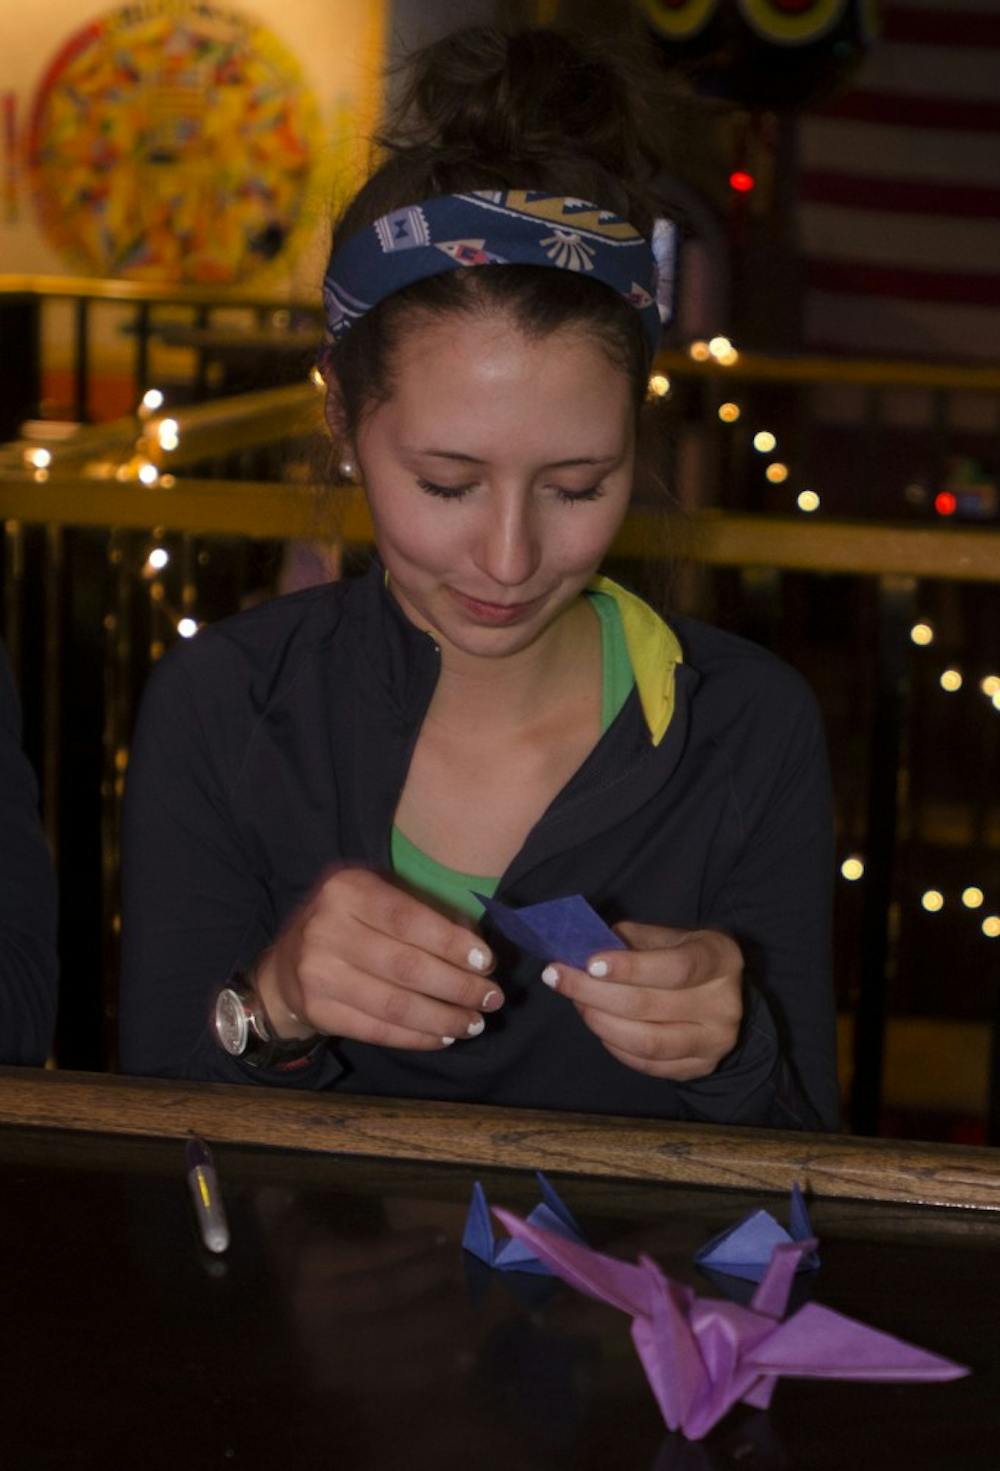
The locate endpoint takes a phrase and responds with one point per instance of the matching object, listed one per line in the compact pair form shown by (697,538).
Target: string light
(932,900)
(720,347)
(991,926)
(951,680)
(39,459)
(990,686)
(994,701)
(148,474)
(659,385)
(972,897)
(699,351)
(168,433)
(922,633)
(152,400)
(776,472)
(764,441)
(807,500)
(158,558)
(187,628)
(852,868)
(729,413)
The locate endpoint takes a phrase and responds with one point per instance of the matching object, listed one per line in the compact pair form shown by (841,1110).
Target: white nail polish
(475,1028)
(550,976)
(490,1000)
(447,1041)
(597,968)
(477,958)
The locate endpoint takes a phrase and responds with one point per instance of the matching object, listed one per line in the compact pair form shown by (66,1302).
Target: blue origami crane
(745,1250)
(509,1254)
(557,929)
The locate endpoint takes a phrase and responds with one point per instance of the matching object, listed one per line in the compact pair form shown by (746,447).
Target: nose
(509,549)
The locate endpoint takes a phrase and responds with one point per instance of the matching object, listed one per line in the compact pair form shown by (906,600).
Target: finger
(670,1043)
(683,1070)
(414,969)
(634,1002)
(391,911)
(700,957)
(366,1008)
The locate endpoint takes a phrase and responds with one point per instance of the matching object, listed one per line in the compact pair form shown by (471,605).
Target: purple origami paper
(510,1254)
(745,1250)
(701,1355)
(558,929)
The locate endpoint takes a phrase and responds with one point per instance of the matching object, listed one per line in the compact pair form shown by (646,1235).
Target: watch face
(231,1026)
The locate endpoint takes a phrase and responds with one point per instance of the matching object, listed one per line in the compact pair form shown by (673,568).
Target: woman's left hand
(670,1005)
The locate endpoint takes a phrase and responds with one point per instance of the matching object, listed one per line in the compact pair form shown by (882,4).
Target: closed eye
(447,492)
(592,493)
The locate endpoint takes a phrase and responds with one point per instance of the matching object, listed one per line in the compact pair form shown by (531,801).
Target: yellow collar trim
(653,651)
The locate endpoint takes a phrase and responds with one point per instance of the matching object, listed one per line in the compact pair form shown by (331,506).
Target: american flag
(900,192)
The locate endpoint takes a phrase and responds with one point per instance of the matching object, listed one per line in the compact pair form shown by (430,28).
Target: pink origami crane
(702,1356)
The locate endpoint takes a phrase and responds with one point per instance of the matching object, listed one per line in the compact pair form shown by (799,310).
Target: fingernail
(474,1028)
(492,1001)
(447,1041)
(477,958)
(597,968)
(550,976)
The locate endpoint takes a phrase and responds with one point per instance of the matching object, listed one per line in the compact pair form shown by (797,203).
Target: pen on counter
(207,1196)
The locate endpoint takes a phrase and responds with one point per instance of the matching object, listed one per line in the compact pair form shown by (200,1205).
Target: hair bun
(533,95)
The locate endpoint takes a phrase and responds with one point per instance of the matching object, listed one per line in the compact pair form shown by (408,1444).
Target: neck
(512,692)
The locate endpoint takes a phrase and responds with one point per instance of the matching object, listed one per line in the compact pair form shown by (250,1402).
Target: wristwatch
(243,1029)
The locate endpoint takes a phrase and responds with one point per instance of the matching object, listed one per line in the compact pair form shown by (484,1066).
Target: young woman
(318,786)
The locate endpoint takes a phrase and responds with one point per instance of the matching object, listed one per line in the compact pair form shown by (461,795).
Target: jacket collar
(653,652)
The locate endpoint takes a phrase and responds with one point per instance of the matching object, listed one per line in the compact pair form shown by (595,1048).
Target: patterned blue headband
(500,227)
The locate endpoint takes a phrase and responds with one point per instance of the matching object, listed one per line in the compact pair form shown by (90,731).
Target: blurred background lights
(945,503)
(741,181)
(776,472)
(764,441)
(723,351)
(316,377)
(39,458)
(699,352)
(729,413)
(152,399)
(951,680)
(852,868)
(148,474)
(807,500)
(995,700)
(659,385)
(990,685)
(932,900)
(991,926)
(972,897)
(168,433)
(158,558)
(922,633)
(187,628)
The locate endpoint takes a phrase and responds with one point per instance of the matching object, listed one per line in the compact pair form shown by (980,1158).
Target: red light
(741,181)
(945,503)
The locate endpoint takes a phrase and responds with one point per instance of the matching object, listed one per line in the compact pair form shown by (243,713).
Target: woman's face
(498,474)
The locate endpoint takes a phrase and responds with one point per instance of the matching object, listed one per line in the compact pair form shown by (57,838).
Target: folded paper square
(702,1356)
(509,1254)
(557,929)
(745,1250)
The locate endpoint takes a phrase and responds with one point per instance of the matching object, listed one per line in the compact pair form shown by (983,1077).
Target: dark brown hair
(481,109)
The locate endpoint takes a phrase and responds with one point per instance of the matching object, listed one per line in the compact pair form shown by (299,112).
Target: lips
(498,614)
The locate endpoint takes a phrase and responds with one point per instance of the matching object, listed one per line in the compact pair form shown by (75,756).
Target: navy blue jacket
(276,744)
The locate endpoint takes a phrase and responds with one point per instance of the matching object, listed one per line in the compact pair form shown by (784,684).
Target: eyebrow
(448,454)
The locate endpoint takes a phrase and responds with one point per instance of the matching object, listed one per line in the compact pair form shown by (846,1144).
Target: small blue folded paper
(508,1254)
(557,929)
(744,1250)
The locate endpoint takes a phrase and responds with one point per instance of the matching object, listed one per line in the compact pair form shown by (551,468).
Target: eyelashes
(458,492)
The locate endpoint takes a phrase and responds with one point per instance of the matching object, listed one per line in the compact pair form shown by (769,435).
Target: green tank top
(455,890)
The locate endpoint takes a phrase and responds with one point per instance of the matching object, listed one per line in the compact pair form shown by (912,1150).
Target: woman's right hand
(364,960)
